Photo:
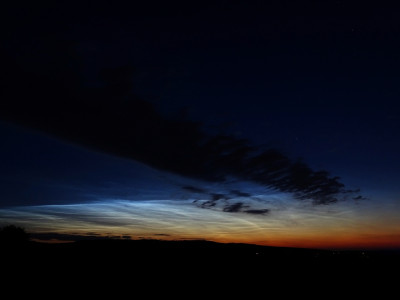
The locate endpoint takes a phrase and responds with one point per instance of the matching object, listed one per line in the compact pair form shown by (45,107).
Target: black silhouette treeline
(44,90)
(12,235)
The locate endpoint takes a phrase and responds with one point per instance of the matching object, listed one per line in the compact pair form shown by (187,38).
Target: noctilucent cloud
(63,192)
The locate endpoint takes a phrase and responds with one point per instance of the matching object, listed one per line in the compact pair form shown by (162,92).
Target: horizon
(54,238)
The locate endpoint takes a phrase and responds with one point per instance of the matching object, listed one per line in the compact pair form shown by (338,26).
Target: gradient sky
(315,81)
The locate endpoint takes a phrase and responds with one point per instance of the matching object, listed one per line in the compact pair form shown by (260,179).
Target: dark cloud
(216,197)
(227,207)
(240,207)
(235,207)
(43,88)
(208,204)
(257,211)
(113,120)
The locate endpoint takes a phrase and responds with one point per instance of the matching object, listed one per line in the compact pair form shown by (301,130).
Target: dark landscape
(193,265)
(113,253)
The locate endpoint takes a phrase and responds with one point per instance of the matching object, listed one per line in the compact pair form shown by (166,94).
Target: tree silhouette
(13,235)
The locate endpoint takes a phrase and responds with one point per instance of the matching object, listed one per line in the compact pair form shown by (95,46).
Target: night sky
(267,122)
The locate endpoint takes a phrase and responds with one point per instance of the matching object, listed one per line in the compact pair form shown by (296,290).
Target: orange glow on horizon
(333,227)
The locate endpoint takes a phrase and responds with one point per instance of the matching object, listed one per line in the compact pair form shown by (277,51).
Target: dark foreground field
(198,264)
(183,254)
